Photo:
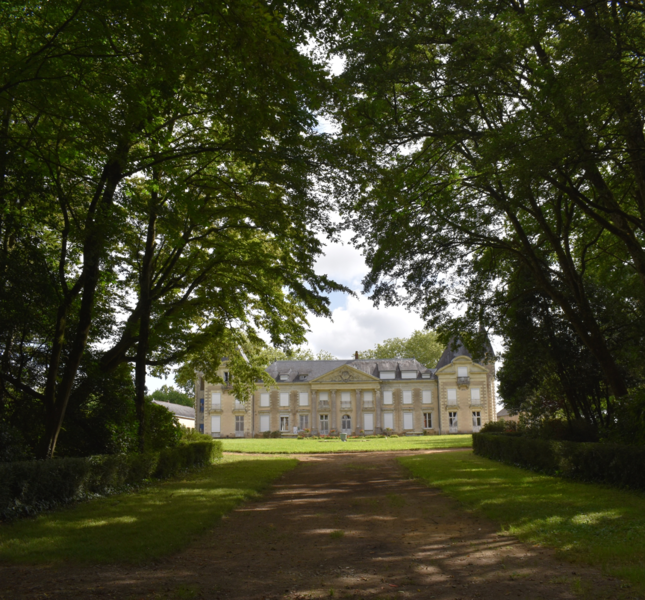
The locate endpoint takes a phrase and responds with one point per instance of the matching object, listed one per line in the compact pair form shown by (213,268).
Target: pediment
(345,374)
(460,361)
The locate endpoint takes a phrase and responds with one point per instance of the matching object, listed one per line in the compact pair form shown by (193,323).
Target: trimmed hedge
(29,487)
(618,465)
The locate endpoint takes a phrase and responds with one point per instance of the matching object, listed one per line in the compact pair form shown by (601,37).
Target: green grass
(585,523)
(328,445)
(132,528)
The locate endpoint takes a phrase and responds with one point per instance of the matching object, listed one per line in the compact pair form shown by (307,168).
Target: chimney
(356,355)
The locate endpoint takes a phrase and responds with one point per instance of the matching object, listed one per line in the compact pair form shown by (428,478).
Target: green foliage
(613,464)
(422,345)
(142,526)
(29,487)
(585,523)
(482,143)
(168,393)
(156,196)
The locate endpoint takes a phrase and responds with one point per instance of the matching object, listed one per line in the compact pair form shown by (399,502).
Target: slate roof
(317,368)
(179,410)
(460,350)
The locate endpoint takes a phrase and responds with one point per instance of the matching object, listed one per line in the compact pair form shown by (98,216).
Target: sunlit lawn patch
(321,446)
(154,522)
(596,525)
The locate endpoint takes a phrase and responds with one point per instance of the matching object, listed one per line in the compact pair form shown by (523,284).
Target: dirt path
(343,526)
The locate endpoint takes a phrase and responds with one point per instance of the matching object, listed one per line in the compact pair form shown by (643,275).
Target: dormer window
(462,371)
(283,377)
(408,374)
(426,375)
(302,376)
(388,374)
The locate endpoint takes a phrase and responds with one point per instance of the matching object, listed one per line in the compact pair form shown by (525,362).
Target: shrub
(275,434)
(29,487)
(619,465)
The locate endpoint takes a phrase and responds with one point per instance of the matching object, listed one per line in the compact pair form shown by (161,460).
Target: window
(239,423)
(227,377)
(368,422)
(408,420)
(388,420)
(201,428)
(407,396)
(201,405)
(323,396)
(346,423)
(324,424)
(452,396)
(427,420)
(304,399)
(462,371)
(216,424)
(388,374)
(284,423)
(408,374)
(283,377)
(265,423)
(427,396)
(216,400)
(368,399)
(284,398)
(477,419)
(452,420)
(475,397)
(239,405)
(264,399)
(304,422)
(387,397)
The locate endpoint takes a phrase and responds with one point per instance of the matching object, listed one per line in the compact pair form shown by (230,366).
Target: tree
(483,136)
(421,345)
(168,393)
(125,126)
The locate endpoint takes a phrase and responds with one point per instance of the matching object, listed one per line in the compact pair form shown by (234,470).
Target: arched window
(346,424)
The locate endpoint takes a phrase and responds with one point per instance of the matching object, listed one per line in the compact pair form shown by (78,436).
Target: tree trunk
(57,395)
(145,302)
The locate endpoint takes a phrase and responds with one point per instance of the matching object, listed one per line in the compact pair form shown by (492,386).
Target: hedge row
(613,464)
(29,487)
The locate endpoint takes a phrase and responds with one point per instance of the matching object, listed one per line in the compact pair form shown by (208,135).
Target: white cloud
(343,263)
(359,325)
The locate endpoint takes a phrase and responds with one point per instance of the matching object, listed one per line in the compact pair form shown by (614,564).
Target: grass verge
(133,528)
(329,445)
(586,523)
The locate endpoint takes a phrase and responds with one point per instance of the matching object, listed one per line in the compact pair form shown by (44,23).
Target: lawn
(133,528)
(587,523)
(327,445)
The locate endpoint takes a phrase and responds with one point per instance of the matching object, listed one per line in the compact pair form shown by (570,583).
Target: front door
(346,424)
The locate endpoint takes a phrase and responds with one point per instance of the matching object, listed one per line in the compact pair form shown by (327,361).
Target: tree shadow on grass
(151,523)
